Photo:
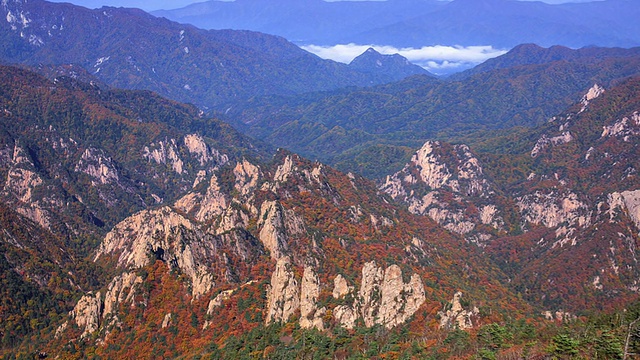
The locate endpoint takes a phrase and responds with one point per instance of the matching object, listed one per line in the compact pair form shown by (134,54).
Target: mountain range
(499,216)
(418,23)
(131,49)
(524,87)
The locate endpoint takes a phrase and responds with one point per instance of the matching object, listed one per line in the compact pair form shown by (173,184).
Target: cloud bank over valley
(438,59)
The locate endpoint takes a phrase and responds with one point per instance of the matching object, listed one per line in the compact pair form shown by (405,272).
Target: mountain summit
(391,67)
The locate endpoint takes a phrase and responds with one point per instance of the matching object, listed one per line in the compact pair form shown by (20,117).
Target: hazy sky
(150,5)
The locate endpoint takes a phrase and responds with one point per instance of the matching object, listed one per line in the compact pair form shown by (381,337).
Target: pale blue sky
(151,5)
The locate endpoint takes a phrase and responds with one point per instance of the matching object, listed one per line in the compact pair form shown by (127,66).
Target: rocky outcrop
(594,92)
(310,315)
(443,181)
(561,210)
(167,320)
(283,295)
(272,233)
(626,200)
(98,166)
(455,316)
(166,153)
(276,226)
(545,141)
(21,184)
(624,128)
(197,147)
(121,290)
(384,298)
(86,313)
(165,235)
(207,206)
(95,312)
(247,177)
(340,287)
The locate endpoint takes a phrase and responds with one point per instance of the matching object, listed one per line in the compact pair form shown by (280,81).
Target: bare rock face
(166,153)
(121,290)
(247,177)
(87,312)
(399,300)
(370,294)
(626,200)
(284,171)
(197,147)
(206,207)
(383,297)
(278,225)
(552,209)
(273,233)
(346,316)
(21,183)
(283,296)
(456,315)
(632,201)
(98,166)
(165,235)
(443,181)
(623,128)
(340,287)
(93,313)
(594,92)
(310,315)
(546,141)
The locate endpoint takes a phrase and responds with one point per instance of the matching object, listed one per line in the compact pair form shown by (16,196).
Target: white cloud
(438,59)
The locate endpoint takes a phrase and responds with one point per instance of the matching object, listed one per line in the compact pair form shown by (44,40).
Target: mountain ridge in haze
(500,23)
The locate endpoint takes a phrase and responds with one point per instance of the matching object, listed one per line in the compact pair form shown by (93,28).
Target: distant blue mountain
(416,23)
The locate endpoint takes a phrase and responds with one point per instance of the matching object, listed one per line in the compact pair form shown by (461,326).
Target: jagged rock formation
(455,316)
(93,312)
(340,287)
(310,315)
(162,234)
(283,295)
(87,312)
(438,172)
(383,297)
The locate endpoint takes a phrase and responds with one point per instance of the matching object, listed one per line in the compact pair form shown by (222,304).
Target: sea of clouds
(438,59)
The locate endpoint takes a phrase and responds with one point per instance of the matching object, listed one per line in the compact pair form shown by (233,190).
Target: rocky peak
(247,176)
(165,235)
(442,181)
(283,295)
(438,166)
(594,92)
(454,315)
(166,153)
(273,232)
(197,146)
(310,315)
(385,299)
(98,166)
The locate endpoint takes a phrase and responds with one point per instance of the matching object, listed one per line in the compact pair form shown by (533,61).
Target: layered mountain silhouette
(131,49)
(415,23)
(524,87)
